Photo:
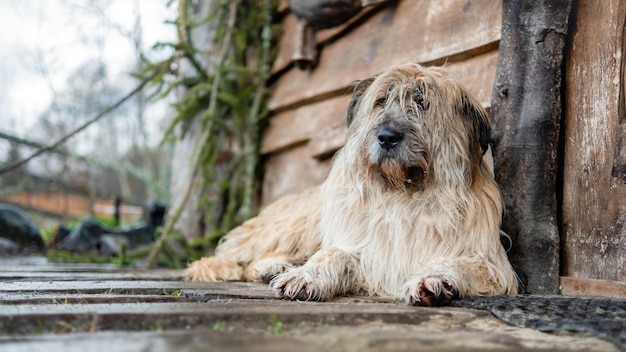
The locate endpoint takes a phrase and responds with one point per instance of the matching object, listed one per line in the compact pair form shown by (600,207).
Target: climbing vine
(225,95)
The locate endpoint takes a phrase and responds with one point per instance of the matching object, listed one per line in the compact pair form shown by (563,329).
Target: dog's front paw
(300,284)
(430,290)
(264,270)
(212,269)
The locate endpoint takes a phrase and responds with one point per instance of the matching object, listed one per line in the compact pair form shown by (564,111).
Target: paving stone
(53,307)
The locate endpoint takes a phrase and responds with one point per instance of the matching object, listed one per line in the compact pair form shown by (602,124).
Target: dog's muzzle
(388,137)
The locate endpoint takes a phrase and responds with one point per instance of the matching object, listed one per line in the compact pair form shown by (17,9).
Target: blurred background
(101,100)
(63,62)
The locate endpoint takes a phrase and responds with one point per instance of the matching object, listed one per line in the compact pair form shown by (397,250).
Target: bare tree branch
(63,139)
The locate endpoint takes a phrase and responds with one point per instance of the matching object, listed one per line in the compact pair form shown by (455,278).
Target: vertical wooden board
(594,192)
(292,171)
(412,30)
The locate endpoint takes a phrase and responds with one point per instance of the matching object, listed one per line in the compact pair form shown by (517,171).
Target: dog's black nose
(389,138)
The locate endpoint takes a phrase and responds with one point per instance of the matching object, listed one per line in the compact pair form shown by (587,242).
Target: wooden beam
(572,286)
(323,123)
(526,118)
(292,172)
(594,176)
(392,36)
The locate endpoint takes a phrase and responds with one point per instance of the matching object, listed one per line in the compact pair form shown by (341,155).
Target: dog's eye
(419,100)
(380,102)
(418,97)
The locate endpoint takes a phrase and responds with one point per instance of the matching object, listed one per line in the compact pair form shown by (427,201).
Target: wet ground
(63,307)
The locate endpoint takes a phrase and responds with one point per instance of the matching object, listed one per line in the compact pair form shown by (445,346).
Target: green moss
(219,325)
(57,256)
(276,325)
(230,104)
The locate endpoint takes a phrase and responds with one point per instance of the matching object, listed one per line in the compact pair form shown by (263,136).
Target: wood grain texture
(595,288)
(526,116)
(323,123)
(292,172)
(594,195)
(287,41)
(301,124)
(308,124)
(416,30)
(74,311)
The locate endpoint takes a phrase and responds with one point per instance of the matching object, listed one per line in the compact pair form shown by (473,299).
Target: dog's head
(413,125)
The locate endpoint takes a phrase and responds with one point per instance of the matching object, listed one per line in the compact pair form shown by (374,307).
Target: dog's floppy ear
(477,121)
(359,88)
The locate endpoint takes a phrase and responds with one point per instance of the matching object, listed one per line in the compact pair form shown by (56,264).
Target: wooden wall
(308,122)
(594,182)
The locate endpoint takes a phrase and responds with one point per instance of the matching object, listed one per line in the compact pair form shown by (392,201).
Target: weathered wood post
(190,222)
(526,117)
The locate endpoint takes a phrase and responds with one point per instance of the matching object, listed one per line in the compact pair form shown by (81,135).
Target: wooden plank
(198,339)
(594,210)
(442,333)
(326,141)
(327,326)
(590,287)
(292,172)
(71,298)
(406,313)
(316,131)
(244,317)
(24,320)
(40,264)
(301,124)
(323,123)
(476,74)
(286,43)
(420,31)
(165,275)
(223,289)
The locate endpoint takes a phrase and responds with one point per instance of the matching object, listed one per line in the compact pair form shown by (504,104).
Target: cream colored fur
(419,221)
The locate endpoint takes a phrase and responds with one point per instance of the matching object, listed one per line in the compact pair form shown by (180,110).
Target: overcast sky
(43,41)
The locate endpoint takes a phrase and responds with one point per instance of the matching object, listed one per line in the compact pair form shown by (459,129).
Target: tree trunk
(526,118)
(190,222)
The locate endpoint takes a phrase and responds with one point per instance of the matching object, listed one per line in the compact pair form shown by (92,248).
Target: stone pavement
(62,307)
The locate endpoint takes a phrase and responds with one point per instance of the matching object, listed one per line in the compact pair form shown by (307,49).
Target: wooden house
(559,117)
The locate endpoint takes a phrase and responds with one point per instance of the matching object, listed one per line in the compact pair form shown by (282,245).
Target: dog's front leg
(330,272)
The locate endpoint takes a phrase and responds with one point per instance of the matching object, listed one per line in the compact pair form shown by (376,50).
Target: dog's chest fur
(394,235)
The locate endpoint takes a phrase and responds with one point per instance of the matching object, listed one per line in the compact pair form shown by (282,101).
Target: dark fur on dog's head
(413,121)
(477,122)
(359,88)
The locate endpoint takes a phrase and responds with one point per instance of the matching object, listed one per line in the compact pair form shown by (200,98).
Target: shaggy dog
(409,209)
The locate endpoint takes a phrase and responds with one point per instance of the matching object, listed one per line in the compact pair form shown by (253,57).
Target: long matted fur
(409,209)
